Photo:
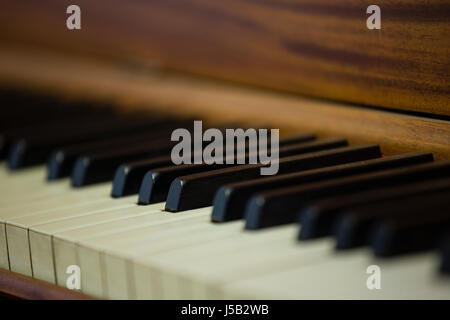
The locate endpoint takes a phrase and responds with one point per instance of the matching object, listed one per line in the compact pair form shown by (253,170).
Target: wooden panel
(22,287)
(216,101)
(319,48)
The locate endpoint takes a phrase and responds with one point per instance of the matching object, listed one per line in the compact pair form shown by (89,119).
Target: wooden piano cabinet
(183,95)
(320,48)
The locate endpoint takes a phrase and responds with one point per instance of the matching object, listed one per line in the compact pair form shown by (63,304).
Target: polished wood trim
(319,48)
(133,88)
(22,287)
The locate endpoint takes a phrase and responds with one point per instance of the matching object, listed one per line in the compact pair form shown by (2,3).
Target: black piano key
(35,148)
(296,138)
(155,184)
(195,191)
(36,121)
(229,201)
(317,219)
(3,147)
(100,166)
(61,161)
(277,207)
(418,232)
(445,254)
(352,228)
(128,177)
(353,225)
(286,147)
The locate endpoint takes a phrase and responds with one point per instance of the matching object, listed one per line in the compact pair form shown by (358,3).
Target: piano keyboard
(95,188)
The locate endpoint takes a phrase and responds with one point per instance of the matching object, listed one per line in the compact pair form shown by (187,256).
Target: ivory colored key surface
(40,191)
(160,236)
(127,251)
(32,191)
(17,228)
(62,201)
(4,260)
(10,185)
(155,240)
(11,181)
(240,255)
(66,199)
(60,198)
(212,262)
(70,200)
(24,173)
(344,276)
(194,261)
(40,236)
(65,251)
(28,187)
(3,169)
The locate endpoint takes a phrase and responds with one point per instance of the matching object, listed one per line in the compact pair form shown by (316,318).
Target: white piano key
(20,187)
(63,201)
(109,231)
(41,234)
(18,177)
(344,276)
(3,170)
(66,252)
(4,260)
(240,255)
(18,245)
(174,237)
(18,250)
(67,197)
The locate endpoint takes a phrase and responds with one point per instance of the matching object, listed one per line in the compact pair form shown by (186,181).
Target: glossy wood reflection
(320,48)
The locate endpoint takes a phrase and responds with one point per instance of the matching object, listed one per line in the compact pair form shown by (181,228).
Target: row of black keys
(396,204)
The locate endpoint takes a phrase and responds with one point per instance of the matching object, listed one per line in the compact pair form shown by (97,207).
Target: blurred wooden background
(319,48)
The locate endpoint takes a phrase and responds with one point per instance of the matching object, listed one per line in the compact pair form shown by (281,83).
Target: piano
(93,207)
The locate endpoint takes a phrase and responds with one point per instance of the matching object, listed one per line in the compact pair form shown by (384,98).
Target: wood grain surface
(181,95)
(14,285)
(318,48)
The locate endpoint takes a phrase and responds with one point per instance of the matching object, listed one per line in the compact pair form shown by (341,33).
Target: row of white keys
(36,190)
(232,266)
(165,240)
(345,276)
(29,231)
(17,227)
(10,191)
(68,251)
(199,260)
(29,227)
(196,271)
(43,248)
(16,218)
(128,251)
